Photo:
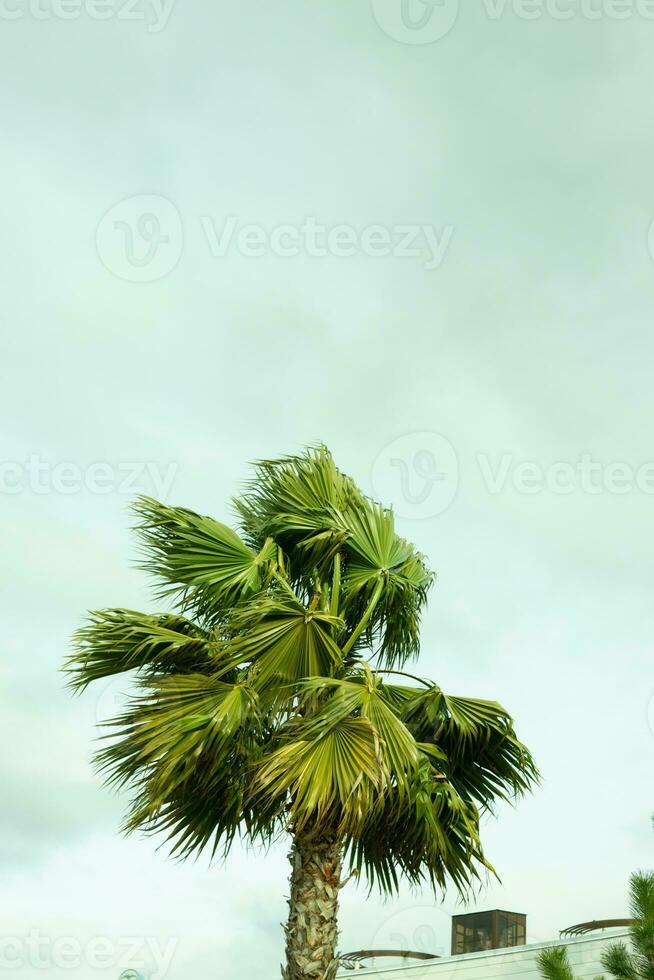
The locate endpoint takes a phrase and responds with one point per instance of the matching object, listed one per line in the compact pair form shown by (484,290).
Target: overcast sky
(229,230)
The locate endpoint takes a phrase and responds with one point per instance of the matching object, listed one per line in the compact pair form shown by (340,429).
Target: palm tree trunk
(312,930)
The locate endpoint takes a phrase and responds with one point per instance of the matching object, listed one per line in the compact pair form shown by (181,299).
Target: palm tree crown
(274,699)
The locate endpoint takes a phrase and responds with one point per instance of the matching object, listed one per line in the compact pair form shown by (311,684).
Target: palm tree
(256,712)
(636,963)
(621,962)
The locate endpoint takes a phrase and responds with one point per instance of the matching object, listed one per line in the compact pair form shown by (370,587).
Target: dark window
(478,931)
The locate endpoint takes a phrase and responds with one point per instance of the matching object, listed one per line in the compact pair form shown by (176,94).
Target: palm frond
(486,760)
(641,903)
(285,640)
(186,748)
(641,895)
(429,837)
(204,564)
(553,964)
(297,500)
(117,640)
(175,722)
(327,773)
(619,962)
(362,695)
(376,556)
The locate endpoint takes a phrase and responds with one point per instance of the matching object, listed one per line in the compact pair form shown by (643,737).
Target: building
(513,963)
(475,932)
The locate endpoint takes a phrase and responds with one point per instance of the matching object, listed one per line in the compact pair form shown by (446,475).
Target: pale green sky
(517,156)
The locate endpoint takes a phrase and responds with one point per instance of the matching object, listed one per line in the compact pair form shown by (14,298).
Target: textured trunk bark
(312,929)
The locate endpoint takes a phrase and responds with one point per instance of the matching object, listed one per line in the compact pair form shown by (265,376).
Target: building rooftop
(517,962)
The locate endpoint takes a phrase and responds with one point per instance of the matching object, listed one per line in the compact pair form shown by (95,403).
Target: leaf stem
(363,622)
(277,575)
(336,585)
(401,673)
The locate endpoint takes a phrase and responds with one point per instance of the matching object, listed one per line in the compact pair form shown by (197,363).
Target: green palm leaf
(298,500)
(284,639)
(553,964)
(329,773)
(204,564)
(118,640)
(385,572)
(363,695)
(178,721)
(636,962)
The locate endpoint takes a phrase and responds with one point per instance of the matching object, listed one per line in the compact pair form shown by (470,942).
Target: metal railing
(350,961)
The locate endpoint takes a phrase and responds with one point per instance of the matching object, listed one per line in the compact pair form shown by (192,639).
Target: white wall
(518,963)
